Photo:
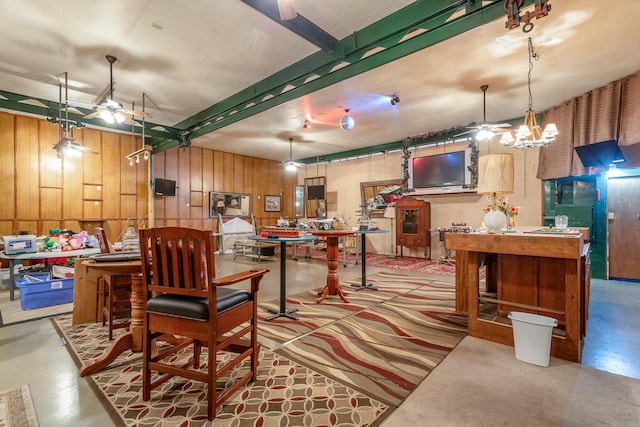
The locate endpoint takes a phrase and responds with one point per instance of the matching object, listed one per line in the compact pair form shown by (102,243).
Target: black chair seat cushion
(195,307)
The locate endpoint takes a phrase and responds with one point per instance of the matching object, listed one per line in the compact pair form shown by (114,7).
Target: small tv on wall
(441,173)
(315,192)
(164,187)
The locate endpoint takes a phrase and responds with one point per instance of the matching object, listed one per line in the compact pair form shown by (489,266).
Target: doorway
(623,226)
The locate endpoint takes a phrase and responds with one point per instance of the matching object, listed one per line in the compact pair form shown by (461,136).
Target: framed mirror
(378,194)
(298,200)
(229,204)
(316,197)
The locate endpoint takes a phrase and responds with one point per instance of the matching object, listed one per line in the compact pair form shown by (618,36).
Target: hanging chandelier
(529,134)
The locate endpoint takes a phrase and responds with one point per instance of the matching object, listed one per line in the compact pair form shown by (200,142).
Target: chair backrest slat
(180,261)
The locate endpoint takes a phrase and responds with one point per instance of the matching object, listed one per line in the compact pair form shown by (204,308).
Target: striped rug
(406,263)
(383,342)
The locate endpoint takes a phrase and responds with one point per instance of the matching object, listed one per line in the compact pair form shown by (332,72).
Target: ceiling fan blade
(292,163)
(84,149)
(63,143)
(128,120)
(137,113)
(465,133)
(104,94)
(75,111)
(287,9)
(80,103)
(71,143)
(92,115)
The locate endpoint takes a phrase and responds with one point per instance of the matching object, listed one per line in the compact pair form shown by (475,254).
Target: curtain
(605,112)
(596,120)
(556,160)
(629,139)
(609,112)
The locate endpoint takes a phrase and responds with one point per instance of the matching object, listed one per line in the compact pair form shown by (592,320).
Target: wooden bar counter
(538,271)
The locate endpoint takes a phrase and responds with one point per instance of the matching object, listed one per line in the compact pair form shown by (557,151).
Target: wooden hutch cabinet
(413,221)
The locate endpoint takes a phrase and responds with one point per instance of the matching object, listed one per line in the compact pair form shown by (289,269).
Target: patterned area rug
(285,393)
(409,264)
(383,342)
(16,408)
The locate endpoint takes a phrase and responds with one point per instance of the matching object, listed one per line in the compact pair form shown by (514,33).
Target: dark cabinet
(413,221)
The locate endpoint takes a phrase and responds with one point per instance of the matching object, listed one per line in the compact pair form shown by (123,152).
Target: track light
(395,99)
(134,157)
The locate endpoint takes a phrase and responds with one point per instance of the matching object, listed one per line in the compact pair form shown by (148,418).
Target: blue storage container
(35,294)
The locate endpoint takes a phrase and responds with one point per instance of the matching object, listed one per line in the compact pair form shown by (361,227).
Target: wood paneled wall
(199,171)
(41,191)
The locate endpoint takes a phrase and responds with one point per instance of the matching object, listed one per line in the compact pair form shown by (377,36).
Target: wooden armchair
(183,298)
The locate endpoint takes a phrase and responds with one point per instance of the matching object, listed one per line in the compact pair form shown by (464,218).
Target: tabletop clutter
(57,241)
(48,281)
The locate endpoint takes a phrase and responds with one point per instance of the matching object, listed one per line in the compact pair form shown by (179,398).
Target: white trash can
(532,337)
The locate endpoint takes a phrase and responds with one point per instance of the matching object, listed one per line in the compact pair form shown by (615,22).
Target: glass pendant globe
(347,122)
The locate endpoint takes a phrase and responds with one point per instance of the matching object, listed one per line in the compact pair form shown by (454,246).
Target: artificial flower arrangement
(502,205)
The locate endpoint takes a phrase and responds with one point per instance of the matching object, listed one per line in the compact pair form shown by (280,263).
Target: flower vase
(495,221)
(512,222)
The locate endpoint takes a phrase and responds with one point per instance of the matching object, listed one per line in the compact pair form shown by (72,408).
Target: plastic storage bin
(532,337)
(46,293)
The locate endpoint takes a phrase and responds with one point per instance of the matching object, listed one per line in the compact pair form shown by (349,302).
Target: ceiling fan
(290,165)
(67,145)
(486,130)
(107,108)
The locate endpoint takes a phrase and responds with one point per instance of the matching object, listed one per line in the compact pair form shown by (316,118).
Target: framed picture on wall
(229,204)
(272,204)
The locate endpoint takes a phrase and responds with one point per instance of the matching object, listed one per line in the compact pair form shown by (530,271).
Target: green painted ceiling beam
(382,148)
(312,73)
(432,138)
(50,109)
(435,16)
(299,25)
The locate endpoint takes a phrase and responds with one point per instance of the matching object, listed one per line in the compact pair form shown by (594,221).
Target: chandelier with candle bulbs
(530,134)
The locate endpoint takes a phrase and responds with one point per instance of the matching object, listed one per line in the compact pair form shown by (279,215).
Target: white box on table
(20,244)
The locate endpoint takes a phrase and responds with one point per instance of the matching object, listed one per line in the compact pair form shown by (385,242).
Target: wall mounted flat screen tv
(315,192)
(164,187)
(440,173)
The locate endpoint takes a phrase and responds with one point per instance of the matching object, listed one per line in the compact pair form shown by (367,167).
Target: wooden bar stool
(117,301)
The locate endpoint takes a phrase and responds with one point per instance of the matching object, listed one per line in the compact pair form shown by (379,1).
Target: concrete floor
(31,352)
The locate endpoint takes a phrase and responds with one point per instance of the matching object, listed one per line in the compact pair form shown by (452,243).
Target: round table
(283,270)
(363,252)
(333,286)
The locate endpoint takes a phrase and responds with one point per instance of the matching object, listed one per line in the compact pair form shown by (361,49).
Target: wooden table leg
(130,340)
(333,286)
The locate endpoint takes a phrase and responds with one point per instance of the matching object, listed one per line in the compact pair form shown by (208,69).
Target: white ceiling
(189,55)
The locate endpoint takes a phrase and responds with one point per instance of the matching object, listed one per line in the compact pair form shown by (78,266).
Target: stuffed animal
(79,240)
